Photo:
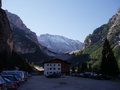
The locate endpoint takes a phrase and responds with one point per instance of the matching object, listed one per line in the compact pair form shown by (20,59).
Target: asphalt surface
(68,83)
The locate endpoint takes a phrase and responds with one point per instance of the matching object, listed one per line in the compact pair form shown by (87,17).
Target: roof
(57,61)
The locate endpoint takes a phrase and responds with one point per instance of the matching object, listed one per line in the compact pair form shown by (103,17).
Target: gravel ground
(68,83)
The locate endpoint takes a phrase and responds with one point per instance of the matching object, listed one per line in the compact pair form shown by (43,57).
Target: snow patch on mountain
(59,44)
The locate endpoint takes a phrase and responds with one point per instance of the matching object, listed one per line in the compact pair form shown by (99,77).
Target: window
(47,64)
(50,68)
(50,64)
(58,64)
(53,68)
(54,64)
(58,68)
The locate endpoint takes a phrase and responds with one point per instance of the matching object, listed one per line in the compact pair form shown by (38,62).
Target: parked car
(10,84)
(15,72)
(2,84)
(81,74)
(94,75)
(75,74)
(12,78)
(103,76)
(53,75)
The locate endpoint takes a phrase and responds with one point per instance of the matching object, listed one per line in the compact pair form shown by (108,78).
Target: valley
(63,57)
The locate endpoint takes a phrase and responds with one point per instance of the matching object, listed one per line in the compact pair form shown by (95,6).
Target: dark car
(54,75)
(94,75)
(18,77)
(104,77)
(11,82)
(2,84)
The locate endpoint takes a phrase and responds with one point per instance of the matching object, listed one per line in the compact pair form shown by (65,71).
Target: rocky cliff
(94,42)
(111,30)
(25,41)
(6,43)
(9,59)
(20,31)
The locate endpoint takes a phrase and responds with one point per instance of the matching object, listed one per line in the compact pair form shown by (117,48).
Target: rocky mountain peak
(16,22)
(118,12)
(59,44)
(14,19)
(111,30)
(114,28)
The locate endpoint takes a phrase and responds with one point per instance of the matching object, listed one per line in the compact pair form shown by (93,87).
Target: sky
(74,19)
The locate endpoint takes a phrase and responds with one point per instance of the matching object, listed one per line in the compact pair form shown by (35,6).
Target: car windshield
(7,80)
(10,78)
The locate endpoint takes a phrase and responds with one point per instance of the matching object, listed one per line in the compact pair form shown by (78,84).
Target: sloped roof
(57,61)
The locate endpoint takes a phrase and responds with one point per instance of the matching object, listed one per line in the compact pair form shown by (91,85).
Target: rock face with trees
(94,42)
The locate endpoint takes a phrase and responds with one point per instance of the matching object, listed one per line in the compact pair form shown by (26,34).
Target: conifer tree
(109,64)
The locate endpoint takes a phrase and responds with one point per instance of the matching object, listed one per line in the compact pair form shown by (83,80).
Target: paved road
(68,83)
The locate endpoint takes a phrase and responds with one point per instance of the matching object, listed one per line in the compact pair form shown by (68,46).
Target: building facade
(56,66)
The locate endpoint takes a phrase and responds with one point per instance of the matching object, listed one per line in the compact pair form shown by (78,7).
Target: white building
(56,66)
(51,68)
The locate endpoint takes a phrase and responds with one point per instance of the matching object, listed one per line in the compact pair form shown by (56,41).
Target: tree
(78,68)
(84,67)
(109,64)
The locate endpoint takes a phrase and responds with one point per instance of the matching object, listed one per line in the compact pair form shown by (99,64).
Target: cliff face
(111,30)
(22,36)
(25,41)
(6,44)
(5,32)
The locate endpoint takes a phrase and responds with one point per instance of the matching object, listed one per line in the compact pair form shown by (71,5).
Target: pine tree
(84,67)
(109,64)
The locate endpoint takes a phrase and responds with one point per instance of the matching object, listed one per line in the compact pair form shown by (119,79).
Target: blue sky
(74,19)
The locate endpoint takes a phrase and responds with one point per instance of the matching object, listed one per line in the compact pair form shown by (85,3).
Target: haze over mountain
(59,44)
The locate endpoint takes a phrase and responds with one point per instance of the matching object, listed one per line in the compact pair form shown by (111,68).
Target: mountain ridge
(93,43)
(59,44)
(25,41)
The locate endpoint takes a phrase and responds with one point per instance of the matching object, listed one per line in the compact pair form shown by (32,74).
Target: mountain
(9,59)
(6,43)
(25,41)
(94,42)
(59,44)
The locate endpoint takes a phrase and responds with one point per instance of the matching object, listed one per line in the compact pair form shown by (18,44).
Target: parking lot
(68,83)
